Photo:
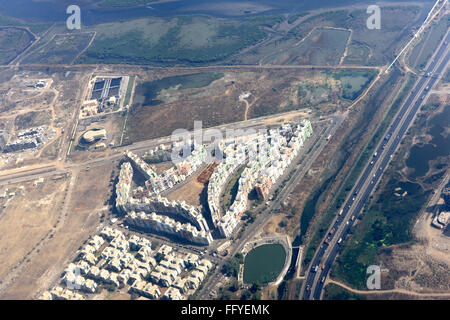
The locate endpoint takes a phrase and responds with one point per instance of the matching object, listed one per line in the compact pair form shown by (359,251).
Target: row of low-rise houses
(161,205)
(123,186)
(269,155)
(143,167)
(153,222)
(130,261)
(181,170)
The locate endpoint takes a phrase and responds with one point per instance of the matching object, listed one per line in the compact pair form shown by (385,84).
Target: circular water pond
(264,263)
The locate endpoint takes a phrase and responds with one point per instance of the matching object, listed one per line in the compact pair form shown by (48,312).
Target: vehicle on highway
(339,241)
(323,279)
(308,287)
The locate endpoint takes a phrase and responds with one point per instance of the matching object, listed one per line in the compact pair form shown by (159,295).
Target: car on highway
(339,241)
(323,279)
(308,287)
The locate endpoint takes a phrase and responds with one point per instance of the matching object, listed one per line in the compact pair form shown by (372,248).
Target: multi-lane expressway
(357,199)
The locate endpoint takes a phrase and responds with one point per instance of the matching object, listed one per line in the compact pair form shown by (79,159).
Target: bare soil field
(27,218)
(163,104)
(192,192)
(82,212)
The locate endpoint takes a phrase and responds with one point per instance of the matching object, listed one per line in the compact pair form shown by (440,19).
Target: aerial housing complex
(269,155)
(262,157)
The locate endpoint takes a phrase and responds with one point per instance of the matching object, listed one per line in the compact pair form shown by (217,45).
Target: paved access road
(353,207)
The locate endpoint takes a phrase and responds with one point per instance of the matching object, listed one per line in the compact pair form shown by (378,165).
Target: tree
(246,295)
(257,295)
(255,287)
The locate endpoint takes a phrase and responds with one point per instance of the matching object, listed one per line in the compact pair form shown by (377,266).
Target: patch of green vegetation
(231,267)
(179,40)
(421,155)
(396,23)
(62,49)
(231,190)
(353,82)
(123,3)
(36,28)
(323,47)
(388,221)
(357,54)
(446,77)
(129,90)
(12,42)
(150,90)
(8,21)
(425,49)
(310,94)
(335,292)
(294,17)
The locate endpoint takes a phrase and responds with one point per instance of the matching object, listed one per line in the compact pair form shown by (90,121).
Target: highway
(354,204)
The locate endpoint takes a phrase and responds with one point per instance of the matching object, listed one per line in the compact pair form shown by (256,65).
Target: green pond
(264,263)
